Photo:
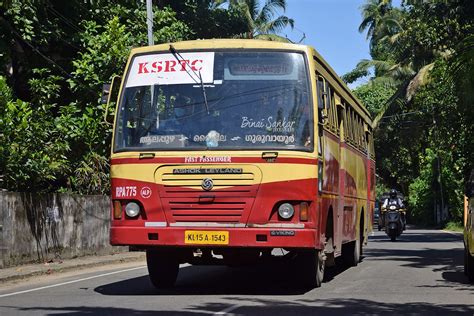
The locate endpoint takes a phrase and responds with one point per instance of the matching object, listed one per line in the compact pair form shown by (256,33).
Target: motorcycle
(394,224)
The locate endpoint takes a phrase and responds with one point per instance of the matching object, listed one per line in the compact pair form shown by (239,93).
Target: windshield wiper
(180,59)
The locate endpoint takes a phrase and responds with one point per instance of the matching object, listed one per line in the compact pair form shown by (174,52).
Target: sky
(332,28)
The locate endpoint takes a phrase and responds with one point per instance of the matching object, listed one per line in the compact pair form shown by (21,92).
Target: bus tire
(310,268)
(469,266)
(465,260)
(163,268)
(351,253)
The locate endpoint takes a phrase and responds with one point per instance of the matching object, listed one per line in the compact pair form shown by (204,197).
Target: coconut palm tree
(260,21)
(373,13)
(405,71)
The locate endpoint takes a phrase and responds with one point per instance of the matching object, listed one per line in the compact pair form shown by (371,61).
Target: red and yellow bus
(224,150)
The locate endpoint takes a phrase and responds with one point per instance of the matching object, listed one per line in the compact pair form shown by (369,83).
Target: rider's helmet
(393,194)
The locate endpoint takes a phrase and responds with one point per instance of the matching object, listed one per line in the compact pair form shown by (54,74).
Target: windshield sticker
(212,139)
(203,138)
(269,124)
(162,139)
(145,192)
(165,69)
(270,139)
(204,159)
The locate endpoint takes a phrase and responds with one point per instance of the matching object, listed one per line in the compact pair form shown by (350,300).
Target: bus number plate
(206,237)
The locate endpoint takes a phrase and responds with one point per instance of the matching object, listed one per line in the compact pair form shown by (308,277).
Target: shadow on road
(412,237)
(253,306)
(448,259)
(277,279)
(274,279)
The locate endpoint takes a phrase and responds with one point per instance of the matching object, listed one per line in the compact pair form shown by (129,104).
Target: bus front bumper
(274,237)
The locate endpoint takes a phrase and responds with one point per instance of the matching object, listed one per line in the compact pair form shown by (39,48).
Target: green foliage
(374,96)
(420,195)
(260,21)
(208,18)
(54,58)
(5,92)
(453,226)
(423,139)
(34,156)
(92,175)
(381,188)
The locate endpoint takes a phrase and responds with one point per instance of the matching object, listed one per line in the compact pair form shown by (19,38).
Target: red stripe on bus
(233,160)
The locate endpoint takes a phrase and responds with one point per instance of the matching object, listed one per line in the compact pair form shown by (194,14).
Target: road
(419,274)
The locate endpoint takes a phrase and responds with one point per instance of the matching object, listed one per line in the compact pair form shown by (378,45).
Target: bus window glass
(255,100)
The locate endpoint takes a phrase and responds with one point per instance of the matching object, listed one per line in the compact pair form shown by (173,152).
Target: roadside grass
(453,226)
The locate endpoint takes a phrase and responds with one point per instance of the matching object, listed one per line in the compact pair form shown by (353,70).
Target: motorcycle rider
(393,199)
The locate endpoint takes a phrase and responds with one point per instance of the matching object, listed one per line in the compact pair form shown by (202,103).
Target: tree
(53,134)
(207,18)
(54,57)
(422,52)
(260,22)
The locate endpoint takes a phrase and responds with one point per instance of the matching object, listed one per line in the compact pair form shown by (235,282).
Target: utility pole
(149,21)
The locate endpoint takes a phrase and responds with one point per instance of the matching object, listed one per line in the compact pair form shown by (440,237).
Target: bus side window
(322,100)
(354,128)
(358,126)
(336,113)
(329,106)
(349,125)
(340,121)
(320,92)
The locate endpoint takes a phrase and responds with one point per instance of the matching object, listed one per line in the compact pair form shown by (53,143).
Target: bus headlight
(132,209)
(286,211)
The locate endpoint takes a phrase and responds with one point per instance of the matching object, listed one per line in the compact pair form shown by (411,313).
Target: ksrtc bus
(226,149)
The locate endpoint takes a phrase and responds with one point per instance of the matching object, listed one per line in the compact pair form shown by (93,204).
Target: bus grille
(217,210)
(229,201)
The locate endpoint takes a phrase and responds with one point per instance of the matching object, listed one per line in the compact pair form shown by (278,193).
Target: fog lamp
(286,210)
(132,209)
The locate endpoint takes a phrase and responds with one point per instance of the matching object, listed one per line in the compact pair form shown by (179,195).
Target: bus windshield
(231,99)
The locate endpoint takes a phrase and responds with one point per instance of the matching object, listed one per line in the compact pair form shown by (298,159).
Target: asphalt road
(419,274)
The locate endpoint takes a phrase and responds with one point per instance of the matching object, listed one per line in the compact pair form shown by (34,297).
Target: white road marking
(70,282)
(227,310)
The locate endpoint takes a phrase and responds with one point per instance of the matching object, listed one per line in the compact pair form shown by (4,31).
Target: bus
(224,150)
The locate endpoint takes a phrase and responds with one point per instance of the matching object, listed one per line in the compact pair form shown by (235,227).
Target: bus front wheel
(163,268)
(468,265)
(310,268)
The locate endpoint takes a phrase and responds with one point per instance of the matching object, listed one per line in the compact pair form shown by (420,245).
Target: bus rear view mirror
(323,116)
(105,93)
(110,94)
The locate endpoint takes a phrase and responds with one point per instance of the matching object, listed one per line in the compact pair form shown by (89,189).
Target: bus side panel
(371,192)
(355,190)
(331,186)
